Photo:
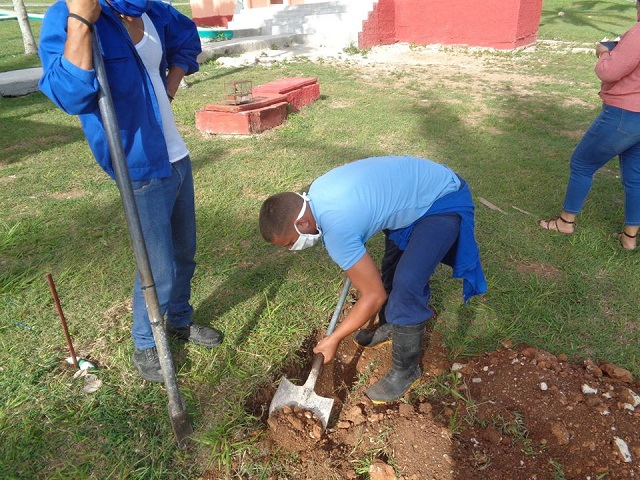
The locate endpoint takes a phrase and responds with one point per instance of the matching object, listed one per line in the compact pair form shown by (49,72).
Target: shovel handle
(336,312)
(318,360)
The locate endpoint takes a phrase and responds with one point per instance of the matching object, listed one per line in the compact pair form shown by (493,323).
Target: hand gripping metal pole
(179,418)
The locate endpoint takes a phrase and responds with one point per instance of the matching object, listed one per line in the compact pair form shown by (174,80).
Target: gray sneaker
(148,364)
(197,334)
(374,338)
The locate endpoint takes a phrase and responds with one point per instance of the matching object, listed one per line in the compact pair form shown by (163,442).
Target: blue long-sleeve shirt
(75,91)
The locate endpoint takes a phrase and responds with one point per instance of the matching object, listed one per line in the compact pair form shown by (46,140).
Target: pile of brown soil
(513,414)
(295,428)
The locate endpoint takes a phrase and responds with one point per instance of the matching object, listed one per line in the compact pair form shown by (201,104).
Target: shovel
(179,419)
(304,396)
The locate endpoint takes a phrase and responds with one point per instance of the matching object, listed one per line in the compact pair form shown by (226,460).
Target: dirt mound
(513,414)
(295,428)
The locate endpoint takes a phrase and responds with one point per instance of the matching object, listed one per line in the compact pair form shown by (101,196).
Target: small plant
(365,375)
(353,49)
(447,387)
(558,470)
(518,431)
(454,425)
(362,465)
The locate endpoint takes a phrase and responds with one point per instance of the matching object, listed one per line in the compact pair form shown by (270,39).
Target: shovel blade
(182,429)
(303,397)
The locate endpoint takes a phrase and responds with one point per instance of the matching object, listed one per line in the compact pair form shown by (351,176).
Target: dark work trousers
(406,273)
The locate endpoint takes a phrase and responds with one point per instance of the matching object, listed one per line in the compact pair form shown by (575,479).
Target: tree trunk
(25,27)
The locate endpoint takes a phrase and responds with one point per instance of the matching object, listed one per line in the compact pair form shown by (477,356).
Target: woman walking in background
(615,132)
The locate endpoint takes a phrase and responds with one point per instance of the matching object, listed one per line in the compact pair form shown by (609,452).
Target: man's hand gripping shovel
(305,397)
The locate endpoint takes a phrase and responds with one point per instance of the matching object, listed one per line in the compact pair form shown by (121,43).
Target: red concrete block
(284,85)
(300,91)
(303,96)
(258,101)
(241,122)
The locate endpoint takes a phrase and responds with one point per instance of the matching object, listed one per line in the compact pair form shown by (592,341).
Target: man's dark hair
(278,213)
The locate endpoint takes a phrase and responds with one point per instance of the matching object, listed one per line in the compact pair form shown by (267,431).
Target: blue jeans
(409,271)
(614,132)
(167,215)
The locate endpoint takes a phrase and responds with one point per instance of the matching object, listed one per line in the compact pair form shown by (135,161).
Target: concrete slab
(299,91)
(19,82)
(241,123)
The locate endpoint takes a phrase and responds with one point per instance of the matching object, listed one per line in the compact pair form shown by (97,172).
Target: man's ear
(302,224)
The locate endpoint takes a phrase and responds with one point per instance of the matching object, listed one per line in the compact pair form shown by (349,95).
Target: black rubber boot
(405,364)
(383,334)
(374,338)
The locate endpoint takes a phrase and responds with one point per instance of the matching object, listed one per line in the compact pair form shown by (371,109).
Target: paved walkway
(19,82)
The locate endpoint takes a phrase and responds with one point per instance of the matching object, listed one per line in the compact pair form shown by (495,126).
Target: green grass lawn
(62,215)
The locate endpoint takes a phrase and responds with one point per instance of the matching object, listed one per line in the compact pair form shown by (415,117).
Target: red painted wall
(218,13)
(527,31)
(380,27)
(502,24)
(212,13)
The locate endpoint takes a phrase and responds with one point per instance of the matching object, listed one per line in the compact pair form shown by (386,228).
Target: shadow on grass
(588,14)
(29,125)
(520,156)
(264,275)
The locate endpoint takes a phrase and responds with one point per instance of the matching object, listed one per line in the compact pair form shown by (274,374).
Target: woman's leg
(603,140)
(630,173)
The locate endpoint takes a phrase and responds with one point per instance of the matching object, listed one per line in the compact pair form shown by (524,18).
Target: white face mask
(305,240)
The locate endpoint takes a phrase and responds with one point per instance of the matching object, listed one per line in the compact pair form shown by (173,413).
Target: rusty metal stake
(62,319)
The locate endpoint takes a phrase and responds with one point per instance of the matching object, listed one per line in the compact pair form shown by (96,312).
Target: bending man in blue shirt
(148,47)
(426,213)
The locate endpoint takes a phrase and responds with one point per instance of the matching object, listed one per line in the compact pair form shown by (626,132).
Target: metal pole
(56,300)
(177,412)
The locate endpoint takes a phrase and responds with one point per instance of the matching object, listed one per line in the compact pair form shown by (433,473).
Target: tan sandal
(632,237)
(548,225)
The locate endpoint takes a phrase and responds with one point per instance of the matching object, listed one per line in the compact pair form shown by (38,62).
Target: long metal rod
(56,300)
(177,412)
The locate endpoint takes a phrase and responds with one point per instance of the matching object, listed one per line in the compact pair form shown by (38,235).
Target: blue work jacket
(75,90)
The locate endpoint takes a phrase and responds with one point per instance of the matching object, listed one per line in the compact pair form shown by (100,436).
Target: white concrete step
(241,45)
(335,23)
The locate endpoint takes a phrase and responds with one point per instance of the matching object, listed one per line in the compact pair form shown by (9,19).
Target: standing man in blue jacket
(426,213)
(148,47)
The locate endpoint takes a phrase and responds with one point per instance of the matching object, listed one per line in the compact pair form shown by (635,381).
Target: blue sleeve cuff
(85,76)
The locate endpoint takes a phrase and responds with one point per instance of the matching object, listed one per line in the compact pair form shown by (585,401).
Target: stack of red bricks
(271,102)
